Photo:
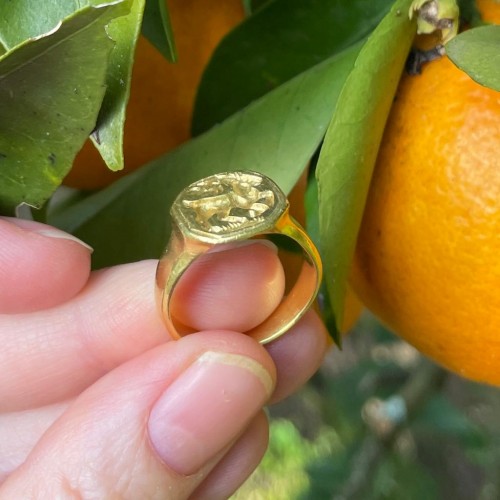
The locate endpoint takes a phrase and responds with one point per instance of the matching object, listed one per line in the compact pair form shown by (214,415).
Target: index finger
(54,354)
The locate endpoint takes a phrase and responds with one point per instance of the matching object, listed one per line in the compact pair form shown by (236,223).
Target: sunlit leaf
(477,52)
(276,135)
(108,135)
(51,89)
(24,19)
(348,154)
(21,20)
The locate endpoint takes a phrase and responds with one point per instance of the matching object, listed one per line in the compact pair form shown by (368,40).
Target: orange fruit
(427,261)
(162,94)
(490,10)
(352,311)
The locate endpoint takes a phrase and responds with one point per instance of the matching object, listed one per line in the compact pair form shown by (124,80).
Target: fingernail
(55,233)
(45,230)
(239,244)
(206,408)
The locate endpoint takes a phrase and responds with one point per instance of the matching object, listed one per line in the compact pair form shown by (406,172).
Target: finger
(199,300)
(20,431)
(298,354)
(53,355)
(40,266)
(155,426)
(238,463)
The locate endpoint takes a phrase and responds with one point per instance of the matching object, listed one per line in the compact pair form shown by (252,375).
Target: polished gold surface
(229,207)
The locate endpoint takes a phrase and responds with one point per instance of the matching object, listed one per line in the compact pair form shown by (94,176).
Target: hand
(96,401)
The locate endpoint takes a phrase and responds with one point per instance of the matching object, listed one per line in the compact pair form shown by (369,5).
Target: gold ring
(228,207)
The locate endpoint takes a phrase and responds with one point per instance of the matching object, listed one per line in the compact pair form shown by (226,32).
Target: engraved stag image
(228,202)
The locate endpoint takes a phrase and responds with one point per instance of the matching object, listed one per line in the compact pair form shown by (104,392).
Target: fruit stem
(436,15)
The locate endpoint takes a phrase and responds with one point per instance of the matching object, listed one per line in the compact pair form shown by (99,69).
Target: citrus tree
(391,139)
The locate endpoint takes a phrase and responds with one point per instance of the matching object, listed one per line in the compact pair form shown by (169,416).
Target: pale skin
(96,400)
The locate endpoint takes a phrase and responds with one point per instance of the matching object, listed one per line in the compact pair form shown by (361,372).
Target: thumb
(154,427)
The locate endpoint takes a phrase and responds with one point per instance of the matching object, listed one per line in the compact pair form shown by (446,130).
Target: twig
(386,420)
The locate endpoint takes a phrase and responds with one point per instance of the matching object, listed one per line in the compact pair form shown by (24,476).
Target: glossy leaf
(21,20)
(157,28)
(24,19)
(108,135)
(351,144)
(51,90)
(275,135)
(281,40)
(477,52)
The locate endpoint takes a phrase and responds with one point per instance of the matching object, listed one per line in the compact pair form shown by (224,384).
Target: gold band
(230,207)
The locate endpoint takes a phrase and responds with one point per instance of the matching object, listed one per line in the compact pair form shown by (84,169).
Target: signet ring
(231,207)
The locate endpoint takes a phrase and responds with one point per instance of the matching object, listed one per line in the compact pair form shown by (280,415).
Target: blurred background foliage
(379,421)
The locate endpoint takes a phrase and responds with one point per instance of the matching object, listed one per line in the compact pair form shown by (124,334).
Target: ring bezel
(191,228)
(190,239)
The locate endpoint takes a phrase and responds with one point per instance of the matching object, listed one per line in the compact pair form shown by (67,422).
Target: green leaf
(413,481)
(108,135)
(252,6)
(24,20)
(158,29)
(477,52)
(312,226)
(280,41)
(439,417)
(328,474)
(351,144)
(51,89)
(275,135)
(469,13)
(21,20)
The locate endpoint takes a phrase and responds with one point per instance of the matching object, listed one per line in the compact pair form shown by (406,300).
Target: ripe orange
(162,94)
(490,10)
(427,260)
